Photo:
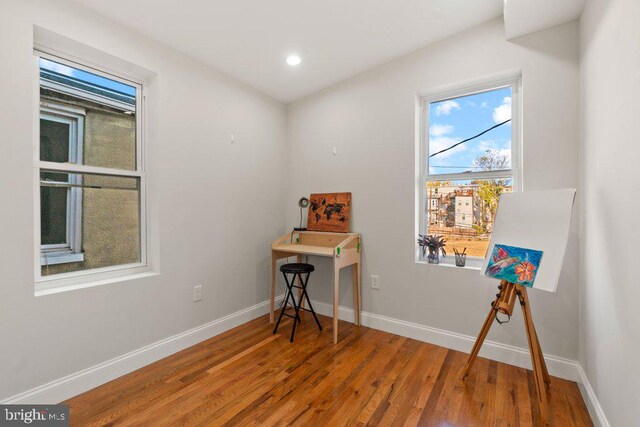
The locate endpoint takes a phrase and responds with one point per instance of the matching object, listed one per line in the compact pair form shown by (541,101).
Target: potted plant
(434,244)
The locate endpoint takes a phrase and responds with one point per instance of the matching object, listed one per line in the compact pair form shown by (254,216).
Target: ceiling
(249,40)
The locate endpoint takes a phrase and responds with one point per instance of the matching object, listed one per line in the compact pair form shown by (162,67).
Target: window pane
(54,205)
(53,213)
(463,212)
(109,211)
(105,113)
(455,120)
(54,141)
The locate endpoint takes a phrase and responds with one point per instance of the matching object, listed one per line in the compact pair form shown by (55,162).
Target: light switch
(375,282)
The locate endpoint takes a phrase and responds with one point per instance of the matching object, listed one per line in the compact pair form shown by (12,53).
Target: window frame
(511,79)
(71,280)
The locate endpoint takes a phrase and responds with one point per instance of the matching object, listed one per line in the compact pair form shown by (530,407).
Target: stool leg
(293,281)
(306,295)
(296,308)
(286,301)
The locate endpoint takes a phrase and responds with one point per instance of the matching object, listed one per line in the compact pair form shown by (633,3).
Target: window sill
(55,286)
(64,258)
(472,263)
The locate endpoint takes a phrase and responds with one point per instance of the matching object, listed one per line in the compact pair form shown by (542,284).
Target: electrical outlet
(197,293)
(375,282)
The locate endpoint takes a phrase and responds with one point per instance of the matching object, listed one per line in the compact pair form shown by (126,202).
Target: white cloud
(505,152)
(501,147)
(441,142)
(445,107)
(491,144)
(484,104)
(503,112)
(58,68)
(439,130)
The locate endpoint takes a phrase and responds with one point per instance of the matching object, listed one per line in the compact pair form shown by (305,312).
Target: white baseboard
(558,366)
(593,405)
(87,379)
(81,381)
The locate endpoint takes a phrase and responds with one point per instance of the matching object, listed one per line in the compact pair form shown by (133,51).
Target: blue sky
(456,119)
(87,77)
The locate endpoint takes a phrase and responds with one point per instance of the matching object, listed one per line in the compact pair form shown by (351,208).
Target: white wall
(371,121)
(219,205)
(610,129)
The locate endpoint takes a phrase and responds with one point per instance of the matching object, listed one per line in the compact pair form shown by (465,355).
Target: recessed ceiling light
(293,60)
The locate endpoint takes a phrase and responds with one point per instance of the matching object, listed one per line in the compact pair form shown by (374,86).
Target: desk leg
(299,260)
(359,292)
(336,302)
(272,301)
(355,284)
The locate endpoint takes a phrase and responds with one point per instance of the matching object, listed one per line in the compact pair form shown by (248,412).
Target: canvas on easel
(329,212)
(537,220)
(513,264)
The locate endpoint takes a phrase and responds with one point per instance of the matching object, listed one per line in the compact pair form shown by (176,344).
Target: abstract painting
(329,212)
(514,264)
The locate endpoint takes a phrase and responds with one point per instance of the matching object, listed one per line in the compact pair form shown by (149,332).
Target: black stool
(297,269)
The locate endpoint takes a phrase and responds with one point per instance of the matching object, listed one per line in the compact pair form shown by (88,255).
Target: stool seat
(297,267)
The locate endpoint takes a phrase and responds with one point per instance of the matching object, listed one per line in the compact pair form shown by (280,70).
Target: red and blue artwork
(514,264)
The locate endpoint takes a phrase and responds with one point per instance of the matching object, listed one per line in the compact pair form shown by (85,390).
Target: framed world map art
(329,212)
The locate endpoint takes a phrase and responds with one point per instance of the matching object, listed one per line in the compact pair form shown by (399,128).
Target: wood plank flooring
(248,377)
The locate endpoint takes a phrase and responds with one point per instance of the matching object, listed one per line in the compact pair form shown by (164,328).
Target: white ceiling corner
(527,16)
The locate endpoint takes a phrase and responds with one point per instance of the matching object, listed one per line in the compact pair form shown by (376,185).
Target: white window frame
(79,279)
(511,79)
(71,250)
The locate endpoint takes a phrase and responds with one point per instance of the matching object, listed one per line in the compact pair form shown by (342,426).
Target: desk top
(297,248)
(315,243)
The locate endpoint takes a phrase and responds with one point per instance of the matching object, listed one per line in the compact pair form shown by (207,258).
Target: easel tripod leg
(481,336)
(536,355)
(545,372)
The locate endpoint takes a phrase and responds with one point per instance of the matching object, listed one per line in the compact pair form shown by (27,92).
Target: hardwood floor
(247,376)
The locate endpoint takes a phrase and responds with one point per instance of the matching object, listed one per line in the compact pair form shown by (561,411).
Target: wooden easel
(504,303)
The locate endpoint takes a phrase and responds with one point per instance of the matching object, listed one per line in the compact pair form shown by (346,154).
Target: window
(90,189)
(61,130)
(469,152)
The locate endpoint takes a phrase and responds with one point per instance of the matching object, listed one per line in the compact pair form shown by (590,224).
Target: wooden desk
(344,248)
